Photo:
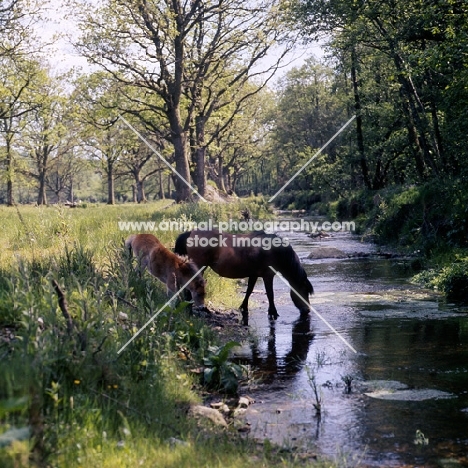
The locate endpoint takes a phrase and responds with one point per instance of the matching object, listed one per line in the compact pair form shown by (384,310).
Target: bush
(220,373)
(432,217)
(452,280)
(297,200)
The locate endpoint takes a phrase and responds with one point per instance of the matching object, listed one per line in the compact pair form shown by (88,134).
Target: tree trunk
(438,135)
(413,137)
(9,171)
(200,171)
(221,184)
(10,199)
(179,141)
(42,158)
(416,111)
(200,155)
(140,189)
(42,195)
(72,192)
(110,183)
(161,187)
(359,133)
(232,182)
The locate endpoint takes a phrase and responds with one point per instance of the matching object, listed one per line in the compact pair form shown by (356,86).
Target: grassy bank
(69,300)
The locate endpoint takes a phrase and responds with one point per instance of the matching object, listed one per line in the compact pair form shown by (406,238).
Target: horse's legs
(171,284)
(142,265)
(272,312)
(244,308)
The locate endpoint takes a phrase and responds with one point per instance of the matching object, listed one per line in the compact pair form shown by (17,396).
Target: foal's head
(197,285)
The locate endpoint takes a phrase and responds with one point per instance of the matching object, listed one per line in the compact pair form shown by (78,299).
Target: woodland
(185,95)
(180,98)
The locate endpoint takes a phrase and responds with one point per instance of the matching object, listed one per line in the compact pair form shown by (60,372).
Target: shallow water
(400,332)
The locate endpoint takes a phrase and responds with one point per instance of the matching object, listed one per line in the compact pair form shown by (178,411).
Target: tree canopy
(194,81)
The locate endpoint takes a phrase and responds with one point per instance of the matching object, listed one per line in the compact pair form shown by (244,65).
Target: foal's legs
(171,284)
(268,281)
(244,308)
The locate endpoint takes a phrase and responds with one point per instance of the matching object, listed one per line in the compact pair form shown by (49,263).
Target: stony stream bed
(400,400)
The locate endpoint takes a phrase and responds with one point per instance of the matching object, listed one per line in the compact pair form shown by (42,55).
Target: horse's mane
(289,265)
(180,247)
(186,262)
(184,259)
(261,233)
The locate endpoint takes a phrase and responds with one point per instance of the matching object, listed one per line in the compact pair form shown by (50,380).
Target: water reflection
(401,334)
(270,363)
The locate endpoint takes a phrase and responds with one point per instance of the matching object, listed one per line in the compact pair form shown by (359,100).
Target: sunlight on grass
(70,298)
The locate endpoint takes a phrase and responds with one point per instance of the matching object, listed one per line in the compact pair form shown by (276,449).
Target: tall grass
(40,232)
(69,300)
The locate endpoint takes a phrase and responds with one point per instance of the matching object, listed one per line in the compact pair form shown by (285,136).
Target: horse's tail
(181,243)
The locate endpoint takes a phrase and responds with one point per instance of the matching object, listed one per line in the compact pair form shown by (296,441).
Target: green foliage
(201,212)
(452,280)
(398,68)
(76,371)
(298,200)
(62,377)
(220,373)
(431,217)
(357,204)
(311,108)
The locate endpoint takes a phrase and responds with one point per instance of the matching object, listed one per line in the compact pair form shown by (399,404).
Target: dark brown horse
(251,255)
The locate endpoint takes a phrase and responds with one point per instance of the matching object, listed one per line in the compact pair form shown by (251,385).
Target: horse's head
(289,265)
(197,285)
(300,294)
(197,288)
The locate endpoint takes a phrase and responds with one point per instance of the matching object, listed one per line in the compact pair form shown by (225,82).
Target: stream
(407,404)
